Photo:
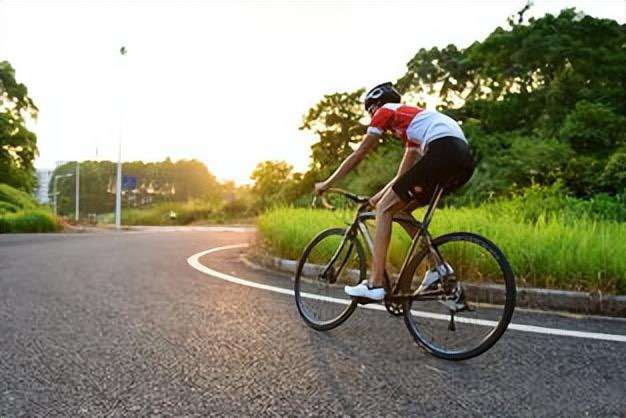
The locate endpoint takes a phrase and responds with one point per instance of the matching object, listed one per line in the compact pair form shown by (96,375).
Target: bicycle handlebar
(352,196)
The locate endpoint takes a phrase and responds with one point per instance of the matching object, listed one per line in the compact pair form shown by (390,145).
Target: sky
(226,82)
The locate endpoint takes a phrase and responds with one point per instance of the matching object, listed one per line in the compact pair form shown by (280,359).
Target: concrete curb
(527,297)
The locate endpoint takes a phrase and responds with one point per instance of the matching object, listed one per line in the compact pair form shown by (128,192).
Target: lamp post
(118,182)
(77,208)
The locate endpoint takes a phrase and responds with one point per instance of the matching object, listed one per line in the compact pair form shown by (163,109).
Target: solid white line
(195,263)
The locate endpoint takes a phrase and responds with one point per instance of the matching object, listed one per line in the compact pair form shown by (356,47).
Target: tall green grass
(16,198)
(19,212)
(554,251)
(30,220)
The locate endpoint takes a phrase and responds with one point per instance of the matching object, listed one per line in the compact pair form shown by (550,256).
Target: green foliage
(593,127)
(553,202)
(193,211)
(581,175)
(554,60)
(7,207)
(18,145)
(579,254)
(614,175)
(16,198)
(274,183)
(19,212)
(160,214)
(376,170)
(31,220)
(335,119)
(169,181)
(541,100)
(557,76)
(510,162)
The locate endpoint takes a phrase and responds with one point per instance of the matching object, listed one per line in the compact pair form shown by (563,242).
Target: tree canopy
(156,182)
(18,145)
(541,100)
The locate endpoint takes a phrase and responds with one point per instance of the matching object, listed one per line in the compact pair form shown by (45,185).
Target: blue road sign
(129,182)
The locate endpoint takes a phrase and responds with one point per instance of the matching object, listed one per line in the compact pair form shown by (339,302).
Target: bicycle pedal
(365,301)
(457,306)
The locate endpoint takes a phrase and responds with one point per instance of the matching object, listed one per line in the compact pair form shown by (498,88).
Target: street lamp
(118,182)
(77,202)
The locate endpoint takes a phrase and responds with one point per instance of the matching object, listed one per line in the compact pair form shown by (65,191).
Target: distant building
(43,180)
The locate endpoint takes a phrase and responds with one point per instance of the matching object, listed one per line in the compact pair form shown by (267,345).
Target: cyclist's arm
(369,143)
(410,157)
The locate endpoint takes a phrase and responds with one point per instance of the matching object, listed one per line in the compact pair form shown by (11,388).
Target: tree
(336,120)
(541,100)
(274,183)
(161,181)
(558,76)
(18,145)
(530,75)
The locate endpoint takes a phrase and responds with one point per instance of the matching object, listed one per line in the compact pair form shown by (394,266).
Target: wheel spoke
(327,265)
(479,268)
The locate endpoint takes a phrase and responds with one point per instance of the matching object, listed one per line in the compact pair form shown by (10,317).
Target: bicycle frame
(359,226)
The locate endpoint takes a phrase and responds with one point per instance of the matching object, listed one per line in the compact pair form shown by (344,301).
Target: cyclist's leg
(407,213)
(387,207)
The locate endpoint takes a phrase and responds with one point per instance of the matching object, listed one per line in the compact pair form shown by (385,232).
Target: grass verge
(191,212)
(30,220)
(550,251)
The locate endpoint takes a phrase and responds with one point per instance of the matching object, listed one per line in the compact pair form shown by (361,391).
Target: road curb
(527,297)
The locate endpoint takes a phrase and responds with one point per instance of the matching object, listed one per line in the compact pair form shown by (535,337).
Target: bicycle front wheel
(329,262)
(459,330)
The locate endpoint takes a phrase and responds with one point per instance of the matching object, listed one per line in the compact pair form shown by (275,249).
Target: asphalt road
(119,324)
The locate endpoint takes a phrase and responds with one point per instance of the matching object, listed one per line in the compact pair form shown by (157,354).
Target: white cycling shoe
(363,290)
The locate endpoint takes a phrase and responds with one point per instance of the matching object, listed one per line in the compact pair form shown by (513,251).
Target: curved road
(119,324)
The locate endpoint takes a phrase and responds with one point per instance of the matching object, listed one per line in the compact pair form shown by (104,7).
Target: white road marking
(148,229)
(195,263)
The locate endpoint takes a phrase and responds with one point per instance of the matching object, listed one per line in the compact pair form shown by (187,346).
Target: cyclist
(436,152)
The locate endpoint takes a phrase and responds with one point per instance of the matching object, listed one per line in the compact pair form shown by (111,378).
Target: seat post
(434,200)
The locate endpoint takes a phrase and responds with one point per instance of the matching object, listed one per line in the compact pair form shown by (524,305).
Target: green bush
(553,201)
(508,163)
(17,198)
(160,214)
(186,213)
(582,175)
(614,175)
(593,127)
(29,221)
(7,207)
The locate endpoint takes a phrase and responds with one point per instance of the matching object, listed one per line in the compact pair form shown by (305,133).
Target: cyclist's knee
(389,204)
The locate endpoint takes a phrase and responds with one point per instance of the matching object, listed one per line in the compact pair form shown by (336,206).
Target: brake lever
(326,204)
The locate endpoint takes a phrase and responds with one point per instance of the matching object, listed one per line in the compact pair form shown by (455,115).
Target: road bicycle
(456,291)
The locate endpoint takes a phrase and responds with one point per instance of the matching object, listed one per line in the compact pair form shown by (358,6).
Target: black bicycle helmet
(381,94)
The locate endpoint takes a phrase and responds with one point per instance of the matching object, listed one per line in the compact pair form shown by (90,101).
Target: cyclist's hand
(321,187)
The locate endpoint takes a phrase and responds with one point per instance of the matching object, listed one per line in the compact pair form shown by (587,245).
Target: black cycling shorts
(447,161)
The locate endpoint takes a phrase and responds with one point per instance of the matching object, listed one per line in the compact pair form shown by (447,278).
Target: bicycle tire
(509,303)
(350,305)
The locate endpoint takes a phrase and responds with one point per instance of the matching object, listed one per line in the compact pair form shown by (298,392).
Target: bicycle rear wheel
(328,263)
(483,276)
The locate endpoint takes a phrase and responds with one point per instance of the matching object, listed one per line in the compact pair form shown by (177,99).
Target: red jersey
(394,117)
